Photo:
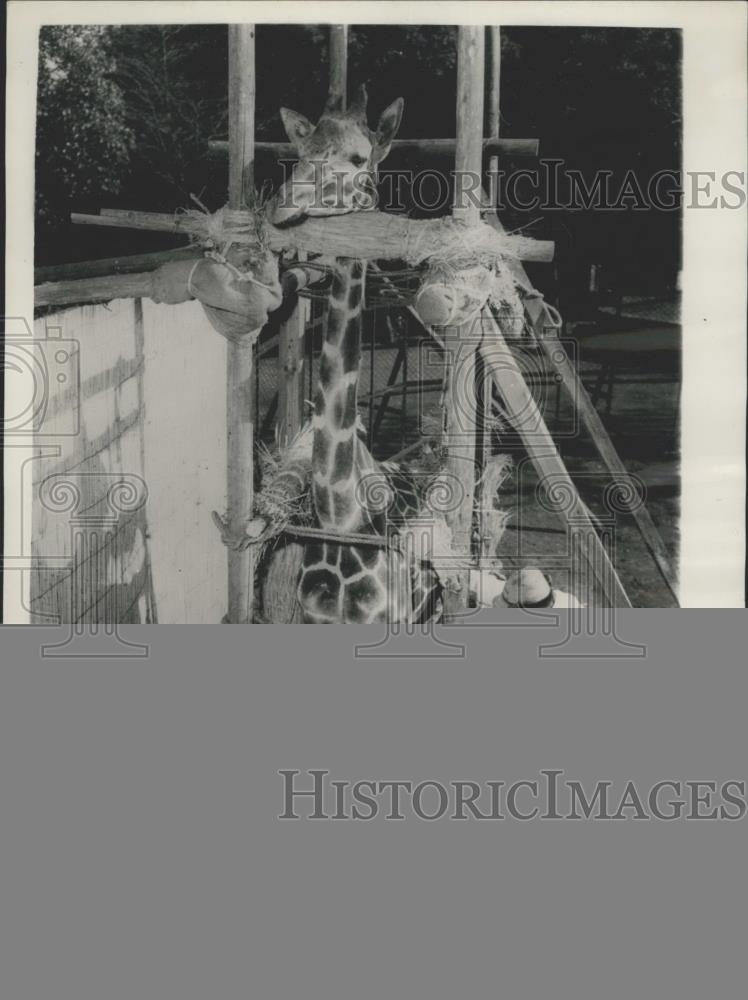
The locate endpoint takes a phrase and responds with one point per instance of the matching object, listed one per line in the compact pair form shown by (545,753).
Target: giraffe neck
(337,452)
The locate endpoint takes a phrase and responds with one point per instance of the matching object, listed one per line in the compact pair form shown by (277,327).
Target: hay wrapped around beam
(465,265)
(373,236)
(364,235)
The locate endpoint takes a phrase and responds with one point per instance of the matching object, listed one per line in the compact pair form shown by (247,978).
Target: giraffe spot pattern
(350,564)
(332,554)
(321,451)
(350,349)
(329,372)
(342,465)
(355,295)
(325,588)
(343,507)
(322,502)
(313,553)
(362,598)
(368,556)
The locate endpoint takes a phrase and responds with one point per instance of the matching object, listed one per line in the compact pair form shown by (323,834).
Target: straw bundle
(493,520)
(279,573)
(283,499)
(364,235)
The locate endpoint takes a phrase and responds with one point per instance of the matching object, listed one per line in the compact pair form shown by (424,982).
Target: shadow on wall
(107,578)
(89,510)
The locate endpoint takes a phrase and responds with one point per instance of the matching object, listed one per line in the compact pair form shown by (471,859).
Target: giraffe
(342,583)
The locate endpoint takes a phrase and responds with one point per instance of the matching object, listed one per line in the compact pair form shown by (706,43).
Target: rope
(245,276)
(190,289)
(344,538)
(552,314)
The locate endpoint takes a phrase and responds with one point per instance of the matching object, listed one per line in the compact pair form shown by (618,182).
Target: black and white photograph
(347,323)
(423,317)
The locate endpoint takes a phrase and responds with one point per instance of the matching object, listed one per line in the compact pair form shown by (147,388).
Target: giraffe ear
(297,126)
(387,128)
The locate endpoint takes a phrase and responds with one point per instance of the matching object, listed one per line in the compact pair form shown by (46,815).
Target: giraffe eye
(358,161)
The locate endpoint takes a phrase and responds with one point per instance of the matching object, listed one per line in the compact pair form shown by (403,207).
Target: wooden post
(528,421)
(461,423)
(291,373)
(493,40)
(240,383)
(469,148)
(338,87)
(494,107)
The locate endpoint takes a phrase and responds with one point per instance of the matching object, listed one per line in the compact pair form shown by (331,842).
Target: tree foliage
(173,106)
(126,113)
(83,141)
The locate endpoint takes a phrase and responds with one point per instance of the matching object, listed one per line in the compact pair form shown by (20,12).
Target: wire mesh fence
(400,380)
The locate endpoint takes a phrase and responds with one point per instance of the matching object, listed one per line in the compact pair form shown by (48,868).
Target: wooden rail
(366,235)
(516,148)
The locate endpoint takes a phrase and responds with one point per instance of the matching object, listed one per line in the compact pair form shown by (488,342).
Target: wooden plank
(514,148)
(540,447)
(90,290)
(528,421)
(132,286)
(461,418)
(548,342)
(365,235)
(493,117)
(239,375)
(126,264)
(555,354)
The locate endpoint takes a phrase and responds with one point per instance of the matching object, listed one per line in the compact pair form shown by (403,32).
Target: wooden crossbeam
(512,148)
(125,264)
(365,235)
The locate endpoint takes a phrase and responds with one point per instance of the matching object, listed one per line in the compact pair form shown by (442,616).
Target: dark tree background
(125,114)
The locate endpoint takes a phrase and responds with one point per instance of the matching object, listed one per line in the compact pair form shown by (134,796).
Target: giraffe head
(338,160)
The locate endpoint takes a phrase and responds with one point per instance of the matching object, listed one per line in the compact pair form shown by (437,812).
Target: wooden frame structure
(130,276)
